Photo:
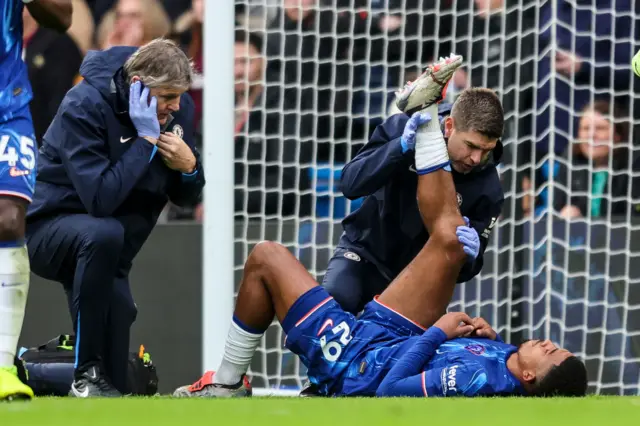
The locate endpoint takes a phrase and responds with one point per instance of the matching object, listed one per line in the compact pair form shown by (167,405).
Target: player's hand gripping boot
(11,388)
(430,87)
(206,388)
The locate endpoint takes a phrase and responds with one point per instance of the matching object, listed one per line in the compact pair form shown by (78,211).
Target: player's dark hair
(569,378)
(253,39)
(479,110)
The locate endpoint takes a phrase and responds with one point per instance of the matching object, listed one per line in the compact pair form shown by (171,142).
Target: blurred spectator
(592,46)
(312,47)
(53,60)
(133,23)
(188,33)
(267,178)
(174,8)
(256,15)
(593,177)
(377,60)
(426,31)
(82,26)
(99,8)
(475,31)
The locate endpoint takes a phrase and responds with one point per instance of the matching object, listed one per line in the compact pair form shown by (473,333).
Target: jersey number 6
(333,349)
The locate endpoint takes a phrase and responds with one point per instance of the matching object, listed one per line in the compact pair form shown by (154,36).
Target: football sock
(14,287)
(431,149)
(242,342)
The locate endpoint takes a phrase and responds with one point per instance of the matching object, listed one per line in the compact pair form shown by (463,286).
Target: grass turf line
(325,412)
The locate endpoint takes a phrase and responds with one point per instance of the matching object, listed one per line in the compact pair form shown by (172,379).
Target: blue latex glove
(408,139)
(469,239)
(143,113)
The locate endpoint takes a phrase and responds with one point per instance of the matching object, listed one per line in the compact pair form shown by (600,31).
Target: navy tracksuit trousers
(85,254)
(352,281)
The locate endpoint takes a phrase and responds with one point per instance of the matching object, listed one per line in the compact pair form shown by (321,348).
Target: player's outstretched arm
(389,150)
(407,377)
(54,14)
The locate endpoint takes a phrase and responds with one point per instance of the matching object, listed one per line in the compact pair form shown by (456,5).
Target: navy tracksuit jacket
(387,232)
(99,192)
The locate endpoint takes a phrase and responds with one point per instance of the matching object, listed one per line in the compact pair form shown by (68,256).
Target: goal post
(315,89)
(217,236)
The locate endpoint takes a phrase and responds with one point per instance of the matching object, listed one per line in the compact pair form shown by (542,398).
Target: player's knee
(107,235)
(12,219)
(444,235)
(265,250)
(263,254)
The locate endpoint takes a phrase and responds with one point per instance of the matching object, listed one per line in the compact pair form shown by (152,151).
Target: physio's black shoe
(93,384)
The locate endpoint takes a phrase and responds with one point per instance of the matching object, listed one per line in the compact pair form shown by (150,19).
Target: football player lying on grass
(401,345)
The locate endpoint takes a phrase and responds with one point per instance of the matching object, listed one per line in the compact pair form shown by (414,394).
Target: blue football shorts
(18,156)
(345,355)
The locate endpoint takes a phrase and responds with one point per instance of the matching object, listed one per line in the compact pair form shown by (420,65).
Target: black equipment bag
(48,368)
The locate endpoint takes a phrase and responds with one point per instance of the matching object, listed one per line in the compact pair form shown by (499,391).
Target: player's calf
(14,268)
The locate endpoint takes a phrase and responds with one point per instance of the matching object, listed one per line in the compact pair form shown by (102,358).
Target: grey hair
(161,63)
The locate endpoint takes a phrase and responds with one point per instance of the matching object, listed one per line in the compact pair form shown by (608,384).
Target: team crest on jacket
(352,256)
(475,349)
(177,130)
(459,199)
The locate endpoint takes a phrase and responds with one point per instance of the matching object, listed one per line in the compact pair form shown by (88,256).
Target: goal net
(314,78)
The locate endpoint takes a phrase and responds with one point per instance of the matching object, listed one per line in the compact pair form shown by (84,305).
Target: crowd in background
(314,78)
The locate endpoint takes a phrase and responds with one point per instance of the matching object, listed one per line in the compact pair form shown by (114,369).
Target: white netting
(326,80)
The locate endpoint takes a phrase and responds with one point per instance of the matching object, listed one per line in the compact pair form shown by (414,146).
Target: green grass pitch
(601,411)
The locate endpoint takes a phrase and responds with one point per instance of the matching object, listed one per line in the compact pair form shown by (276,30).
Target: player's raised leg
(273,280)
(422,291)
(17,180)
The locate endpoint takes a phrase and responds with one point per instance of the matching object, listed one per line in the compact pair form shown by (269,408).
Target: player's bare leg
(424,288)
(272,281)
(422,291)
(14,287)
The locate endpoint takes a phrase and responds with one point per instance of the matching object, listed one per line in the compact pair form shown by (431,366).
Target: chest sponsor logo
(449,379)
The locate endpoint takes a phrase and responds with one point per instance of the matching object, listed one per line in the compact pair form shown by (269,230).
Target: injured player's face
(538,356)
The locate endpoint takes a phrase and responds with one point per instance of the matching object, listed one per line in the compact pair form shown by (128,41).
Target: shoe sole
(16,398)
(420,93)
